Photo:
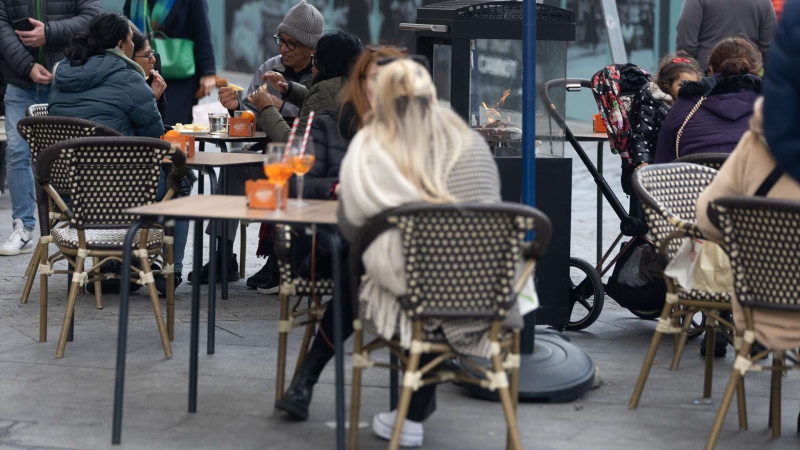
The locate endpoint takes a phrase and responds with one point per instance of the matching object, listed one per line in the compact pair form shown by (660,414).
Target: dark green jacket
(318,98)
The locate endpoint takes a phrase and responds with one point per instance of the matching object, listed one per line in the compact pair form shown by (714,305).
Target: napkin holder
(261,194)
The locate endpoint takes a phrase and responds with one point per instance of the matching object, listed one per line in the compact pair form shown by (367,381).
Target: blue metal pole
(529,103)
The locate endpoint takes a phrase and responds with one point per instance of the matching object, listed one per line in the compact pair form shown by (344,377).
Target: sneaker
(233,272)
(161,283)
(383,425)
(20,241)
(272,286)
(263,276)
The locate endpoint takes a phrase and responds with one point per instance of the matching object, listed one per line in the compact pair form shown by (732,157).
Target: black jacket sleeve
(58,32)
(201,35)
(14,53)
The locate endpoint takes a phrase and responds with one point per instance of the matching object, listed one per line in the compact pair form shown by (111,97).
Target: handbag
(177,54)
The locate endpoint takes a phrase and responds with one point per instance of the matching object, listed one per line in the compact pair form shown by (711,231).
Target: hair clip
(681,61)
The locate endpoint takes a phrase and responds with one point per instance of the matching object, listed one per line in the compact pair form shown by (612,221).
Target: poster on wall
(251,24)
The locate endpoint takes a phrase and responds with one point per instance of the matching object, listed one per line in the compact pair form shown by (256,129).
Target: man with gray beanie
(297,38)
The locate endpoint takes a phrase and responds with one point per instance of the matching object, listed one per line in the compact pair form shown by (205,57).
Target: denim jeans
(181,226)
(19,172)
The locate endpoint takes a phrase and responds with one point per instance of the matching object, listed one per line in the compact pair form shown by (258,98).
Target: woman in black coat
(187,19)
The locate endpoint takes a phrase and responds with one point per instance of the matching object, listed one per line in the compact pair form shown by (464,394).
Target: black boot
(233,267)
(297,398)
(720,345)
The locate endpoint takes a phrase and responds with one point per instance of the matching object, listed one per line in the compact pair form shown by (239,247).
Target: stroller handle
(569,84)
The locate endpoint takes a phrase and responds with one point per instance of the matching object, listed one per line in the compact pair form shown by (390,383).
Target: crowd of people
(381,137)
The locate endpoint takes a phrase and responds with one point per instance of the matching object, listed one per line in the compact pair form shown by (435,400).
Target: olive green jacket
(319,97)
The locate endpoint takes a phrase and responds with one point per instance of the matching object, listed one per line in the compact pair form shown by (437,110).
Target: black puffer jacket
(649,108)
(331,136)
(62,19)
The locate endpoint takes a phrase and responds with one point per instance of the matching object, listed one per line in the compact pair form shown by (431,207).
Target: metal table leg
(122,333)
(224,244)
(212,274)
(197,262)
(337,332)
(599,205)
(200,179)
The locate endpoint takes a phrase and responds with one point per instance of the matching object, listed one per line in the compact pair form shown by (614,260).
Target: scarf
(374,185)
(134,65)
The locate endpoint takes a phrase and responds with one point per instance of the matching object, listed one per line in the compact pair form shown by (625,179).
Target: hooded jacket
(649,108)
(782,93)
(109,90)
(718,124)
(62,19)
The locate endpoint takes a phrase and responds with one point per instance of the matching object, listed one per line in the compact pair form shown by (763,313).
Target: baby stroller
(613,87)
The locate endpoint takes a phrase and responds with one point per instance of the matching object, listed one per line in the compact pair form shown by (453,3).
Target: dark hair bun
(104,31)
(735,66)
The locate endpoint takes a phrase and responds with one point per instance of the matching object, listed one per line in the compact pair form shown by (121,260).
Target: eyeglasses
(291,45)
(149,55)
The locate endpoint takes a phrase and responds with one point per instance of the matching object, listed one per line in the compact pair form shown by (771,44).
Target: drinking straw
(305,135)
(291,135)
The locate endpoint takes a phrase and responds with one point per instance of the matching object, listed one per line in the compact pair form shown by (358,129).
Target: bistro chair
(292,315)
(710,160)
(669,195)
(762,238)
(40,132)
(460,263)
(37,110)
(106,176)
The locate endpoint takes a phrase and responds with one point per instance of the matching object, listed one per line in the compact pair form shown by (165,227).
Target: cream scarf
(372,184)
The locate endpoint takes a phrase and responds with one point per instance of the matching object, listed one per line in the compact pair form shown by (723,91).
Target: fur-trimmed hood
(721,85)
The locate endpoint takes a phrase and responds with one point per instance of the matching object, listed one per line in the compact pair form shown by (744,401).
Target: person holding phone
(32,35)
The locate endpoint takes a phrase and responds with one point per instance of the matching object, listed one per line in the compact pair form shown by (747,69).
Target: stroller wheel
(586,295)
(646,315)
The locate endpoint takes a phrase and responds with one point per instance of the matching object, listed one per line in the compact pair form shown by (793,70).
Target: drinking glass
(302,162)
(278,169)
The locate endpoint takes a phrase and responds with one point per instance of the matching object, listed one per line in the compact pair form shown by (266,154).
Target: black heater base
(556,372)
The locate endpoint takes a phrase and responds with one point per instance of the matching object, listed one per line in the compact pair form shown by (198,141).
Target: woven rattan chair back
(711,160)
(762,237)
(42,131)
(37,110)
(669,195)
(108,176)
(460,259)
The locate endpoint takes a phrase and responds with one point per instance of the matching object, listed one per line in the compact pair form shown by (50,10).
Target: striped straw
(305,135)
(291,135)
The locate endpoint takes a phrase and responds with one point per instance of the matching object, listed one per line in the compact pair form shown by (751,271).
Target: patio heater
(478,51)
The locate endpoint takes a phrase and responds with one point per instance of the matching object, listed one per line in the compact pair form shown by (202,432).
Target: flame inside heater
(493,114)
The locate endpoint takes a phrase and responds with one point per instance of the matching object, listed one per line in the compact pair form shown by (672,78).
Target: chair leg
(73,294)
(242,248)
(404,403)
(742,404)
(680,345)
(98,292)
(30,274)
(283,335)
(81,268)
(775,388)
(733,383)
(711,335)
(355,400)
(43,299)
(648,361)
(151,287)
(309,333)
(171,293)
(515,350)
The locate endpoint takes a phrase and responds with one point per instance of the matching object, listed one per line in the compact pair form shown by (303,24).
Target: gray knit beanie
(304,23)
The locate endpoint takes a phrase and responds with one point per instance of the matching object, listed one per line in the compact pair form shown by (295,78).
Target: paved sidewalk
(47,403)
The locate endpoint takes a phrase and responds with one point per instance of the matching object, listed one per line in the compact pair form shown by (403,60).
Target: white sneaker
(20,241)
(383,425)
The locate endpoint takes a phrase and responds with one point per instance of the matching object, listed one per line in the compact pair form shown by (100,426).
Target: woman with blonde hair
(412,150)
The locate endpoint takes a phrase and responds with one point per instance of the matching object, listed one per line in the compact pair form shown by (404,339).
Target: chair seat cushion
(104,239)
(704,296)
